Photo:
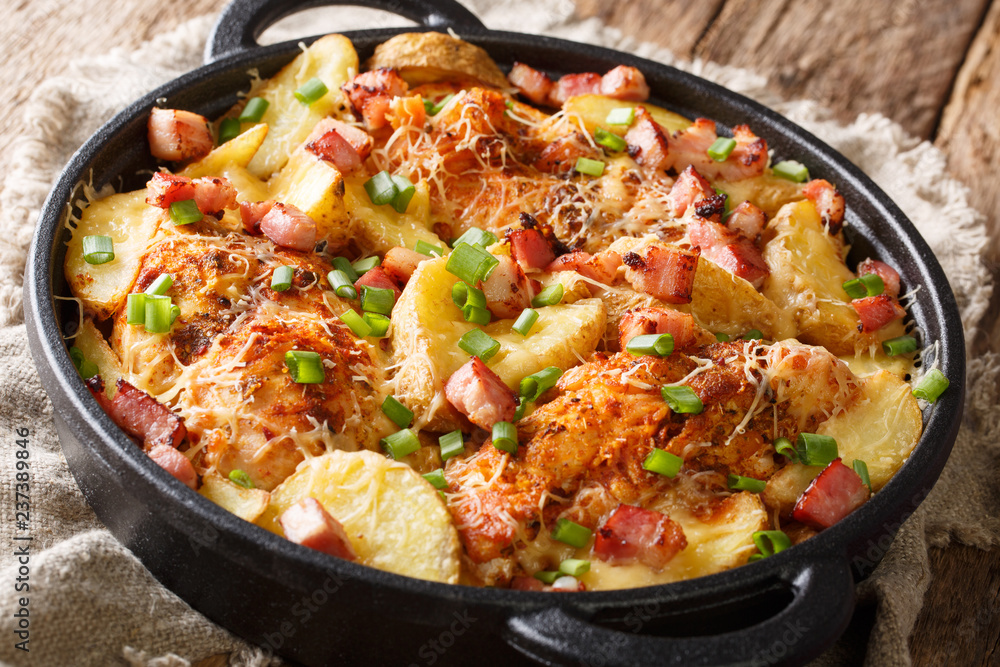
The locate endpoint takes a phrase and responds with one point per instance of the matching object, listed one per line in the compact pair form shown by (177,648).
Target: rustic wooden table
(931,65)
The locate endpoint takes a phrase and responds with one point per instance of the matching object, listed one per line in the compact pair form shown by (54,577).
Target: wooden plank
(853,56)
(674,24)
(959,627)
(969,135)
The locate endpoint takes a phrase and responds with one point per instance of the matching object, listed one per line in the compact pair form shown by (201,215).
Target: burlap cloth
(92,602)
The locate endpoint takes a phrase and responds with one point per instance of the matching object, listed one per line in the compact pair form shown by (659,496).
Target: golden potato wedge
(767,192)
(395,519)
(881,429)
(807,277)
(865,364)
(786,485)
(333,60)
(427,326)
(425,57)
(315,187)
(593,110)
(247,504)
(722,541)
(379,228)
(90,341)
(236,152)
(132,225)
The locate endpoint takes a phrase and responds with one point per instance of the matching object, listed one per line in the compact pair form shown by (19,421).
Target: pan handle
(820,609)
(242,21)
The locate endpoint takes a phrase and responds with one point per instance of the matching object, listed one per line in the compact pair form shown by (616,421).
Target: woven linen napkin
(92,602)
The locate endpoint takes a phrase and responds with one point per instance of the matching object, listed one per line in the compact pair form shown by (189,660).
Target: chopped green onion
(311,91)
(175,312)
(363,266)
(771,542)
(160,286)
(547,577)
(663,463)
(476,236)
(658,345)
(305,366)
(574,567)
(609,140)
(873,283)
(784,447)
(550,296)
(525,321)
(381,188)
(571,533)
(428,105)
(254,110)
(356,323)
(538,383)
(522,405)
(791,170)
(341,284)
(621,116)
(378,323)
(816,450)
(282,278)
(721,148)
(931,386)
(477,315)
(861,468)
(753,334)
(344,264)
(479,344)
(76,356)
(682,399)
(377,299)
(404,193)
(229,129)
(157,313)
(854,289)
(465,296)
(436,478)
(240,478)
(505,437)
(900,345)
(185,212)
(98,249)
(85,367)
(135,308)
(397,412)
(401,443)
(589,167)
(440,104)
(723,337)
(452,444)
(739,483)
(429,249)
(471,263)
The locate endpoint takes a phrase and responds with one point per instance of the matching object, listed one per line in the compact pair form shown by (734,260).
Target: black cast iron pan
(317,610)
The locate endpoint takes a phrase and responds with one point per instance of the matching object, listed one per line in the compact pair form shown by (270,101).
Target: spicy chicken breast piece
(221,366)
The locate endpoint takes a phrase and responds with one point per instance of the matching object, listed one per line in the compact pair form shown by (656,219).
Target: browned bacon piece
(877,311)
(666,273)
(210,194)
(602,267)
(507,290)
(177,135)
(571,85)
(681,326)
(289,227)
(689,187)
(889,275)
(634,534)
(530,248)
(747,220)
(308,523)
(139,414)
(828,202)
(176,464)
(647,142)
(534,85)
(380,278)
(371,93)
(625,83)
(344,145)
(733,252)
(251,213)
(400,263)
(837,492)
(479,394)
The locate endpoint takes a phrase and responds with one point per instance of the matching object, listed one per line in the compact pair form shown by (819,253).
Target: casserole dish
(315,611)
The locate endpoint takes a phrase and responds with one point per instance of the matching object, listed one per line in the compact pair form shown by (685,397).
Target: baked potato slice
(237,152)
(427,326)
(90,341)
(380,228)
(807,277)
(395,519)
(767,192)
(881,429)
(593,110)
(247,504)
(132,225)
(426,57)
(315,187)
(718,542)
(333,60)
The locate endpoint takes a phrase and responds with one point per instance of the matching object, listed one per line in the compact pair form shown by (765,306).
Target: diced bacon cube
(507,290)
(666,273)
(642,321)
(877,311)
(344,145)
(571,85)
(371,93)
(176,464)
(308,523)
(689,187)
(139,414)
(530,248)
(602,267)
(747,220)
(251,213)
(625,83)
(289,227)
(889,275)
(177,135)
(834,494)
(378,277)
(632,534)
(828,202)
(163,189)
(213,194)
(647,142)
(479,394)
(400,263)
(534,85)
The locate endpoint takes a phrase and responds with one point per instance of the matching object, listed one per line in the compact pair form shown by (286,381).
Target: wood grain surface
(931,65)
